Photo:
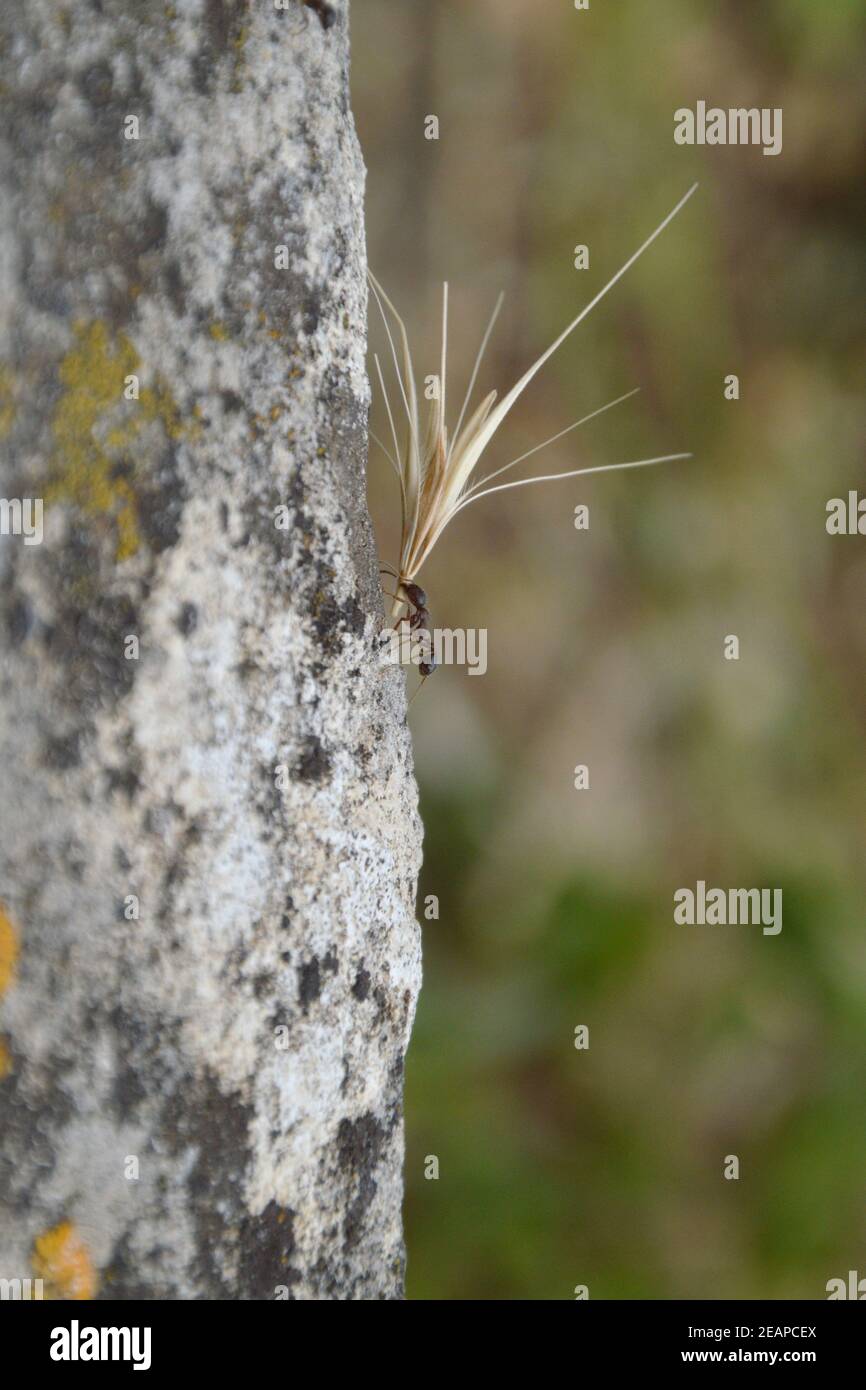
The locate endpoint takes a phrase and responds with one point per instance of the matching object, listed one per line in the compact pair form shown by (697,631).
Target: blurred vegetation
(604,1167)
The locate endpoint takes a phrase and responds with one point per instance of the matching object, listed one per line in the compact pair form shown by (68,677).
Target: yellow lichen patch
(61,1259)
(95,426)
(7,402)
(239,43)
(8,950)
(219,331)
(5,1060)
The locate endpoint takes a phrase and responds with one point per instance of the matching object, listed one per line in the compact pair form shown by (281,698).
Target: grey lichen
(208,847)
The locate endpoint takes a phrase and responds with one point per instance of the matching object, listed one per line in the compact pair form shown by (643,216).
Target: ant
(415,599)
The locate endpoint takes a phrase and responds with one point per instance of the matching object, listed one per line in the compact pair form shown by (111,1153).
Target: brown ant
(415,599)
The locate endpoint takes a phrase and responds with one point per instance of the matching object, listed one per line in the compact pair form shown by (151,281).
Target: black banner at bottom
(63,1339)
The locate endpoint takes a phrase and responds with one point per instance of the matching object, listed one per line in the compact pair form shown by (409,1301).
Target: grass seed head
(435,472)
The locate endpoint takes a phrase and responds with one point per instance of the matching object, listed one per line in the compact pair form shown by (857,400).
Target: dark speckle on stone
(87,637)
(19,621)
(201,1118)
(361,987)
(128,1092)
(122,779)
(187,619)
(151,230)
(172,279)
(136,1051)
(309,983)
(73,857)
(266,1244)
(359,1150)
(161,495)
(95,84)
(359,1143)
(27,1129)
(332,619)
(63,751)
(221,27)
(218,24)
(313,763)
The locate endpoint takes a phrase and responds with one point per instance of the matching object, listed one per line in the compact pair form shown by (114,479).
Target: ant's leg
(418,691)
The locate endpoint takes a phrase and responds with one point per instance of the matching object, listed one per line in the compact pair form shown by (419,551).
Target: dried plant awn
(435,471)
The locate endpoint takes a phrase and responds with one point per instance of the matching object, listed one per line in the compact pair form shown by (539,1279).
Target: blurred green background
(604,1167)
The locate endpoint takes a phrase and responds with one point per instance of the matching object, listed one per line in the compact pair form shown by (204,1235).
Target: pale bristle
(435,477)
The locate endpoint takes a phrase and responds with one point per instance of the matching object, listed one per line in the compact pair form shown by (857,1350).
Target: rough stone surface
(248,777)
